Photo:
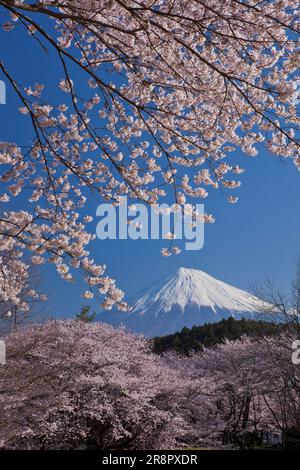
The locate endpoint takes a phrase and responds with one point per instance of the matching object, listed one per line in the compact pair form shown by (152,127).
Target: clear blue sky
(256,238)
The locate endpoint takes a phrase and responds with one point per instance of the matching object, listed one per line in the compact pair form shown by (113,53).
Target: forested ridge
(210,334)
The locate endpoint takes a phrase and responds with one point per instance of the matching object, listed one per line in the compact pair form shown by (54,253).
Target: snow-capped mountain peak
(192,286)
(189,297)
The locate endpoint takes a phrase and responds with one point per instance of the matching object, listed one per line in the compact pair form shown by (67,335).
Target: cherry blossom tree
(71,385)
(282,394)
(172,87)
(20,297)
(226,407)
(251,386)
(283,308)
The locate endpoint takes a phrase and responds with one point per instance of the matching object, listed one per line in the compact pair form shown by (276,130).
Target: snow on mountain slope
(193,286)
(187,298)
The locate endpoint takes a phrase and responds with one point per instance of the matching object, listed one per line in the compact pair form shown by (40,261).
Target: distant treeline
(195,338)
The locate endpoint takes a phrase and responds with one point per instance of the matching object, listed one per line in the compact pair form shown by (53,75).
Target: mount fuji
(187,298)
